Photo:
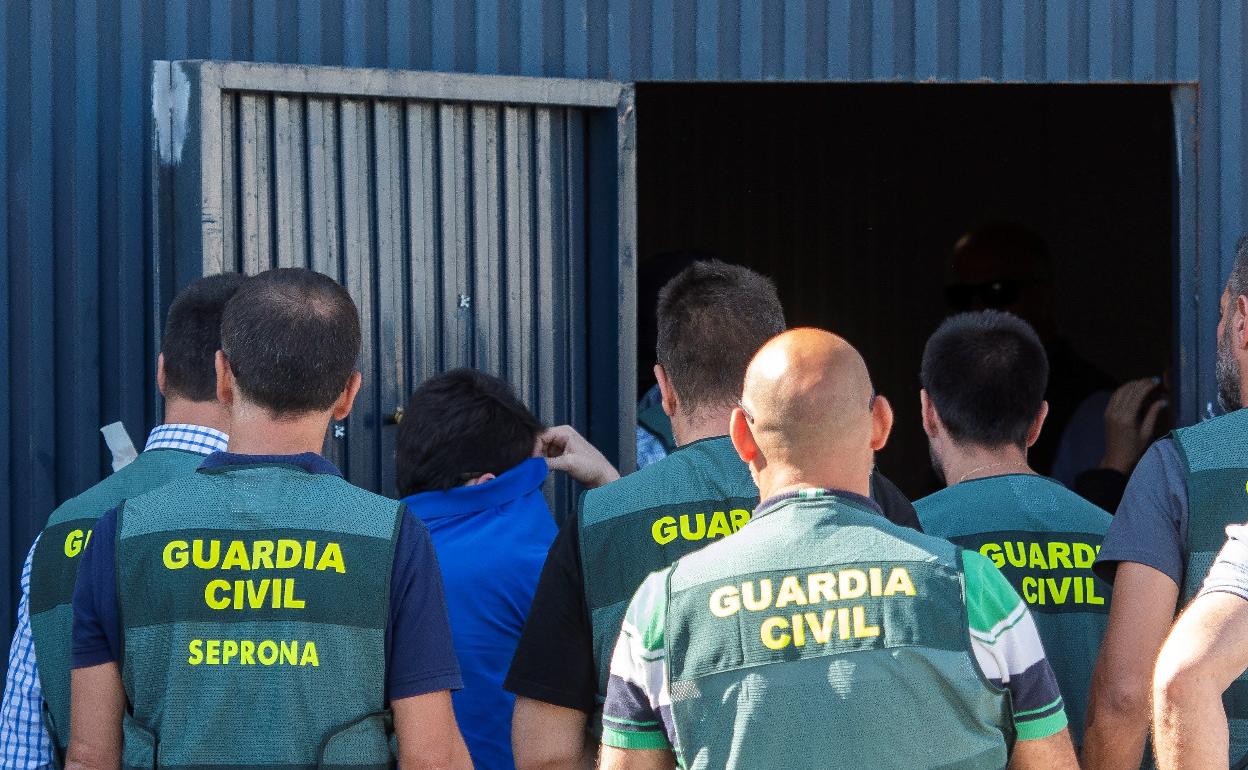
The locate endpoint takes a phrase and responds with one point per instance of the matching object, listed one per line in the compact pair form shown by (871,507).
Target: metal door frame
(1196,281)
(187,207)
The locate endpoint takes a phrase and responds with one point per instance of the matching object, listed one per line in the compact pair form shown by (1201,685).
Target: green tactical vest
(649,519)
(54,570)
(254,602)
(656,421)
(824,635)
(1216,455)
(1044,539)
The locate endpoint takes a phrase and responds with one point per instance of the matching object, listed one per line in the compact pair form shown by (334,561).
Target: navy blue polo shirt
(418,636)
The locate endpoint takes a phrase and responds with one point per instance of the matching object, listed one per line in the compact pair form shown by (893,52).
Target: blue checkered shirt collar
(188,438)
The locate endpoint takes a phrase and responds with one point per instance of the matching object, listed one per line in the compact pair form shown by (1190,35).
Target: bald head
(809,394)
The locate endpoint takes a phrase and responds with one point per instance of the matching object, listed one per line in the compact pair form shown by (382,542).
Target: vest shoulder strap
(1216,443)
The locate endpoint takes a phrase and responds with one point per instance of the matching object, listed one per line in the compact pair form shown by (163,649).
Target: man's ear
(742,437)
(881,423)
(1033,433)
(1241,322)
(666,392)
(160,374)
(342,407)
(225,380)
(932,425)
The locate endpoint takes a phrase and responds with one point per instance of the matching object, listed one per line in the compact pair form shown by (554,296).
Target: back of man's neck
(254,431)
(981,463)
(704,426)
(207,414)
(856,486)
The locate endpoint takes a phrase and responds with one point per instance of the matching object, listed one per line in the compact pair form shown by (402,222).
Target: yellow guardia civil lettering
(1077,590)
(698,526)
(1029,555)
(277,593)
(800,628)
(244,555)
(75,541)
(1039,589)
(849,622)
(256,554)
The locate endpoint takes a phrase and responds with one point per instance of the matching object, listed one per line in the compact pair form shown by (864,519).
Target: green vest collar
(708,441)
(311,462)
(776,502)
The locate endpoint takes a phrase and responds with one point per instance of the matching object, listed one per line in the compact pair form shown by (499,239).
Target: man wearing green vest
(984,377)
(34,720)
(712,318)
(1200,690)
(822,635)
(261,611)
(1165,535)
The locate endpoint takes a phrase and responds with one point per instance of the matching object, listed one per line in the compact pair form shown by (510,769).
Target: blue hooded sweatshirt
(491,540)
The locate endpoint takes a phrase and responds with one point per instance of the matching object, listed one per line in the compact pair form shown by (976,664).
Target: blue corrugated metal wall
(75,349)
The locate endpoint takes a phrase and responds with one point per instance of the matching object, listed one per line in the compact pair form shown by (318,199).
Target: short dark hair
(292,337)
(986,373)
(459,425)
(192,336)
(1237,284)
(712,318)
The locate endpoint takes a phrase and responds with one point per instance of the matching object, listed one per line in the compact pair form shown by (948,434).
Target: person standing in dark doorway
(1006,266)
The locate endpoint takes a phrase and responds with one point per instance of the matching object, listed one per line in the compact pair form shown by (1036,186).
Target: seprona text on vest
(253,594)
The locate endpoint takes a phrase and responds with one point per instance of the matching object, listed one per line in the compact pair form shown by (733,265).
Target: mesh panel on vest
(1044,538)
(699,494)
(258,639)
(1216,455)
(854,650)
(54,570)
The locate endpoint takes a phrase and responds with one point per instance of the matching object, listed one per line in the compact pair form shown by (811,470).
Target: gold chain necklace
(992,466)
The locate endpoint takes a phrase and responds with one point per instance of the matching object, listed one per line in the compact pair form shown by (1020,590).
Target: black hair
(292,337)
(192,336)
(1237,285)
(652,275)
(986,373)
(459,425)
(712,318)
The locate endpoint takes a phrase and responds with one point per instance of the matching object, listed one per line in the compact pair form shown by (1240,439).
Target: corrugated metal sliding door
(476,220)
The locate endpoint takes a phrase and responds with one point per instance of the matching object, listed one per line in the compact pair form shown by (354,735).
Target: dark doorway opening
(851,197)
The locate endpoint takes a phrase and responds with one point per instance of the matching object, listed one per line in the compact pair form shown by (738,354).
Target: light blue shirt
(649,449)
(24,741)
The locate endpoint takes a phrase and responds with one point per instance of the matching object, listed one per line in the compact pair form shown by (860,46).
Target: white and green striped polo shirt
(1007,647)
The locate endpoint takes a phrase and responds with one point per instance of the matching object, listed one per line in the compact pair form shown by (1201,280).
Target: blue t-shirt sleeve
(97,627)
(422,657)
(1151,522)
